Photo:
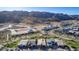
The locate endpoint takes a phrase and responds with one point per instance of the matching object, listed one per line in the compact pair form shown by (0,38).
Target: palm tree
(36,41)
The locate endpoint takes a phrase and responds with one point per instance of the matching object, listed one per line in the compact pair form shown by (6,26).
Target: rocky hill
(33,17)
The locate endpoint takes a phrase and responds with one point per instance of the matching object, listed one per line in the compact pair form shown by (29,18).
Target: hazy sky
(66,10)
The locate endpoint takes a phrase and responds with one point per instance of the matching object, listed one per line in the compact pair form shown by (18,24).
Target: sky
(65,10)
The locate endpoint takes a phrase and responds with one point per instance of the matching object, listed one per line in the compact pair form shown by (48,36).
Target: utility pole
(7,37)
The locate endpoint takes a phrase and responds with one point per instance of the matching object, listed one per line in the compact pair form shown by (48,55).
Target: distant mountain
(34,16)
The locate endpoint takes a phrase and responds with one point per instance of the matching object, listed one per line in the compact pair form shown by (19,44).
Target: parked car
(65,47)
(22,46)
(43,47)
(32,45)
(52,44)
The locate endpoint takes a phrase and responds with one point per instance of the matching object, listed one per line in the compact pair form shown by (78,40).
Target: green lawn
(12,45)
(72,43)
(37,36)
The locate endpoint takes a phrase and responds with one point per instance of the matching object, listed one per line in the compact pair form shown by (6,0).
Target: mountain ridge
(34,16)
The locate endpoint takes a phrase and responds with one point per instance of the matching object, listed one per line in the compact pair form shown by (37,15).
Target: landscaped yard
(12,45)
(69,41)
(72,43)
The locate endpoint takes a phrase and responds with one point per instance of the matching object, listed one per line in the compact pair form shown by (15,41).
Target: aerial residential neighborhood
(39,30)
(17,37)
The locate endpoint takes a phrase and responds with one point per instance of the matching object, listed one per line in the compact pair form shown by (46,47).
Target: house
(71,32)
(23,44)
(77,33)
(47,28)
(41,42)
